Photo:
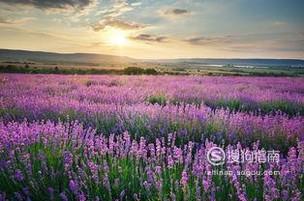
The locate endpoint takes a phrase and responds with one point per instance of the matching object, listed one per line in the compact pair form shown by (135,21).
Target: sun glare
(118,38)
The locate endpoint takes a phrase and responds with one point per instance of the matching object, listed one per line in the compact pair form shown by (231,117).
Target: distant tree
(151,71)
(140,71)
(134,71)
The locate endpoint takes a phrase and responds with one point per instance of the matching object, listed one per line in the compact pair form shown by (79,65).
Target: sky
(156,29)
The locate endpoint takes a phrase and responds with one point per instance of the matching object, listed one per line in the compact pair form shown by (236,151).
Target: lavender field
(107,137)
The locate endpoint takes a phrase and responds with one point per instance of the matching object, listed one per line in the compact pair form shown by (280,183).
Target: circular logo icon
(216,156)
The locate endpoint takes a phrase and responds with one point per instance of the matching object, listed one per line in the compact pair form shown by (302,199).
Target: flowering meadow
(106,137)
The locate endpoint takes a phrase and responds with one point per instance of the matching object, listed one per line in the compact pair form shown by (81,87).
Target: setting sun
(118,38)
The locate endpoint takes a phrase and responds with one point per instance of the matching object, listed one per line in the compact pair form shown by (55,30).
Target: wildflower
(172,196)
(135,197)
(150,175)
(158,169)
(147,185)
(73,185)
(170,161)
(67,159)
(18,175)
(2,196)
(63,196)
(184,180)
(122,194)
(270,190)
(94,170)
(26,191)
(178,154)
(197,192)
(106,182)
(18,196)
(81,197)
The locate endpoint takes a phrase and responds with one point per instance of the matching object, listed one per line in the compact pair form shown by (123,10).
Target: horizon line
(136,58)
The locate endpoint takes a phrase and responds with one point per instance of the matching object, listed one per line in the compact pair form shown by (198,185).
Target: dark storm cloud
(51,4)
(149,38)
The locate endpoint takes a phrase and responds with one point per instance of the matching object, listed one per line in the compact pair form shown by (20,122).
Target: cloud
(149,38)
(110,17)
(279,24)
(117,23)
(5,21)
(19,38)
(174,13)
(202,40)
(51,4)
(8,21)
(136,4)
(117,9)
(274,43)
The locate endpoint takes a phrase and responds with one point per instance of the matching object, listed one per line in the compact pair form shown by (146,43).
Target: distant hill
(103,59)
(39,56)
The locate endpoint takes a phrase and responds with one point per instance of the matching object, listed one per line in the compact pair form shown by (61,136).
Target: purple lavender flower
(81,196)
(185,179)
(2,196)
(68,160)
(73,186)
(63,196)
(18,175)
